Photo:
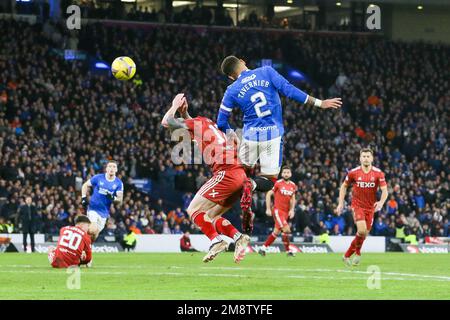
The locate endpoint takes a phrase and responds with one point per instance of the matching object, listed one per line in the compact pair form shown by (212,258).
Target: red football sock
(359,243)
(351,249)
(355,246)
(286,242)
(207,227)
(270,239)
(223,226)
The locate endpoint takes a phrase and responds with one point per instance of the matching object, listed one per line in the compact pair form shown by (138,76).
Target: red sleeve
(382,180)
(190,123)
(349,179)
(275,187)
(87,248)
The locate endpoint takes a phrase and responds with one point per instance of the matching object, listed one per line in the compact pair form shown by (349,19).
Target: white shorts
(98,219)
(269,153)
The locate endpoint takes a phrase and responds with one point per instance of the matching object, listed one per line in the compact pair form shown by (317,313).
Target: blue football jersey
(256,93)
(99,202)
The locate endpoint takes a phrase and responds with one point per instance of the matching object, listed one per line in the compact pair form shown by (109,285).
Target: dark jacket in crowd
(29,218)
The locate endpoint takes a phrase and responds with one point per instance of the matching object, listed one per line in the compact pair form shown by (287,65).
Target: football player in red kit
(283,209)
(365,180)
(218,194)
(74,245)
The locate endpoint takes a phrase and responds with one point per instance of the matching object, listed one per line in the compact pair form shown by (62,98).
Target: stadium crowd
(60,122)
(189,14)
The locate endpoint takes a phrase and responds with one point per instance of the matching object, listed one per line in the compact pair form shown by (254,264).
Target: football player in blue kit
(107,188)
(256,93)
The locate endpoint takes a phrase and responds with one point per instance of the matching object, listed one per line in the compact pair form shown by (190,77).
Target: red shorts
(280,217)
(58,260)
(361,214)
(225,187)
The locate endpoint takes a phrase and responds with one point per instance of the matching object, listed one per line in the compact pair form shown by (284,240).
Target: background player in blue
(107,188)
(256,93)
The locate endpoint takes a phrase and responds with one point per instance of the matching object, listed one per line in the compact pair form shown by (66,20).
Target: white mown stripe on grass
(95,272)
(440,277)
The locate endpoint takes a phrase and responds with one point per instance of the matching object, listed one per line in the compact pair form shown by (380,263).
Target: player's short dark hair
(286,168)
(365,150)
(82,219)
(229,65)
(112,161)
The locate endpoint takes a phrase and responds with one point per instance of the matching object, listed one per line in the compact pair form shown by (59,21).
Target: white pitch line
(440,277)
(226,275)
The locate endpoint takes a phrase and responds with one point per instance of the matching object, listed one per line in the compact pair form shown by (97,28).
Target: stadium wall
(371,244)
(17,238)
(171,243)
(409,24)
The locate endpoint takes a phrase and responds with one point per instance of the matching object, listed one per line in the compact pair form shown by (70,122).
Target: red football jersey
(217,152)
(365,186)
(71,244)
(282,193)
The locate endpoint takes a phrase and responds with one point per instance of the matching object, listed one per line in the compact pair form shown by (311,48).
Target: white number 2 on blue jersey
(261,103)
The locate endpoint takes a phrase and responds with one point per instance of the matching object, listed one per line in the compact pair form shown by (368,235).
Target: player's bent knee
(362,233)
(287,230)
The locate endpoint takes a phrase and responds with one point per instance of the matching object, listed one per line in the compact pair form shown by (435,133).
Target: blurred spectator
(185,243)
(28,217)
(129,241)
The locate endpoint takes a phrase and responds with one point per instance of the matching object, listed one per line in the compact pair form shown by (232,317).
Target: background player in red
(365,180)
(218,194)
(283,209)
(74,245)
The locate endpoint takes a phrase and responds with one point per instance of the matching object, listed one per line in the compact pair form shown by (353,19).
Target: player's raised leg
(97,224)
(202,212)
(224,226)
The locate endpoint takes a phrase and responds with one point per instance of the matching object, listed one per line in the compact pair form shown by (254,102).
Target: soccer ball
(123,68)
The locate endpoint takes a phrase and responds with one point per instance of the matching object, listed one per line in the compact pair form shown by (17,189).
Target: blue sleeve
(286,88)
(226,107)
(222,121)
(94,180)
(120,188)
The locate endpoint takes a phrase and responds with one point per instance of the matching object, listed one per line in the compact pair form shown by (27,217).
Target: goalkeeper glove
(84,202)
(111,196)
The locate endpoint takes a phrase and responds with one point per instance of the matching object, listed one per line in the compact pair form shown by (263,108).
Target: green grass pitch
(184,276)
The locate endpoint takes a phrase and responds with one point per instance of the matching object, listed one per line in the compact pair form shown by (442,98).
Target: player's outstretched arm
(84,190)
(342,192)
(324,104)
(292,92)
